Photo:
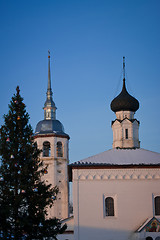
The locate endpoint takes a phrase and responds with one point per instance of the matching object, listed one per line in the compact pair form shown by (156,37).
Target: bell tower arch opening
(46,149)
(59,149)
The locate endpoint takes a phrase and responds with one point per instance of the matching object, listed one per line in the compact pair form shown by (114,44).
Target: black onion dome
(124,101)
(50,126)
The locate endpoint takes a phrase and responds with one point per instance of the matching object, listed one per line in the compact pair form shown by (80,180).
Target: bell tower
(52,139)
(125,127)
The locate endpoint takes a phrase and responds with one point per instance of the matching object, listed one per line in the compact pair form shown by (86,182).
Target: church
(116,194)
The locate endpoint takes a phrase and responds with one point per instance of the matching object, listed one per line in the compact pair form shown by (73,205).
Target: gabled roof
(121,157)
(150,225)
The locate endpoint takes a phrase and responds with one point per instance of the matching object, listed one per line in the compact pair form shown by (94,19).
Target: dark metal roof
(50,126)
(49,103)
(124,101)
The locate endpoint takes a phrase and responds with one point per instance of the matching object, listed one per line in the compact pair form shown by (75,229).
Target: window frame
(157,196)
(49,149)
(62,150)
(109,207)
(114,197)
(154,207)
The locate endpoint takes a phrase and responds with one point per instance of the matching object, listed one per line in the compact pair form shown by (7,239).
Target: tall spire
(49,72)
(49,90)
(49,106)
(123,68)
(124,79)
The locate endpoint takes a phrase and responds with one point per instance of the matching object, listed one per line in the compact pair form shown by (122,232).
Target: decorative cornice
(51,135)
(116,174)
(130,120)
(119,177)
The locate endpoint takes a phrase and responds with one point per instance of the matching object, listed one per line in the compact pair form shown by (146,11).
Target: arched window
(157,205)
(149,238)
(157,238)
(109,206)
(46,149)
(59,149)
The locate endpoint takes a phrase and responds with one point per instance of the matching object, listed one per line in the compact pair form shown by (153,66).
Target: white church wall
(57,173)
(119,134)
(132,191)
(124,114)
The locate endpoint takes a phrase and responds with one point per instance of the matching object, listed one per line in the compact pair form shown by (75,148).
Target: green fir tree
(24,196)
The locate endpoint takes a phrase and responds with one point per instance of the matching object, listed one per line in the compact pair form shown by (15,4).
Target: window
(59,149)
(149,238)
(46,149)
(126,132)
(157,205)
(109,206)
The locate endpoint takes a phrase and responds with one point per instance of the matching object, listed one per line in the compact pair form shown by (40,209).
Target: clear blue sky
(87,40)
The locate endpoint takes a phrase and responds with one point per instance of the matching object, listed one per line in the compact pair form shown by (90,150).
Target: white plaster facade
(133,191)
(57,173)
(125,130)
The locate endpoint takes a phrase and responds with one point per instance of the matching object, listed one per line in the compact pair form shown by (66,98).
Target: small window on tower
(46,149)
(126,132)
(59,149)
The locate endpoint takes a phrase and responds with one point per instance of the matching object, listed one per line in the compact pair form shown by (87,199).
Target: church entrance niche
(149,238)
(46,149)
(157,238)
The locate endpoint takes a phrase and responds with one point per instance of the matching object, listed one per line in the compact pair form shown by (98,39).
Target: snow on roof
(122,157)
